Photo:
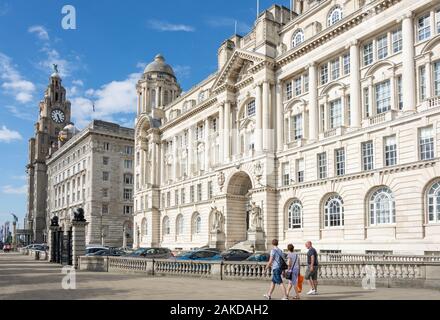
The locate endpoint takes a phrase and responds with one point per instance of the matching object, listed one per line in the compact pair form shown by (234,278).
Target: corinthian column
(221,133)
(355,85)
(227,131)
(409,71)
(313,102)
(266,116)
(280,117)
(259,110)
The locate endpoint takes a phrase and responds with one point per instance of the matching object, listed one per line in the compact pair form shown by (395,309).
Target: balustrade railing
(434,102)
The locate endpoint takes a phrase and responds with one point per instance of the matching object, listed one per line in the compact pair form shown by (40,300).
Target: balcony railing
(434,102)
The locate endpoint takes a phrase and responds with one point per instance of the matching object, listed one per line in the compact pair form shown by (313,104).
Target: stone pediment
(238,68)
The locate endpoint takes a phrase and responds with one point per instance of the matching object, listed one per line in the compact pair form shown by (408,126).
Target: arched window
(166,226)
(382,208)
(334,212)
(179,225)
(334,16)
(298,38)
(197,224)
(295,215)
(434,203)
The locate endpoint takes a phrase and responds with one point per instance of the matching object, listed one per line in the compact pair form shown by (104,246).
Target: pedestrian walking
(293,272)
(312,268)
(277,263)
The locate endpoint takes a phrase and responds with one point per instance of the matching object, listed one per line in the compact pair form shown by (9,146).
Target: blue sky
(100,61)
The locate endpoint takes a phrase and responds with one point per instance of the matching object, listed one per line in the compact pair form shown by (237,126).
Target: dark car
(152,253)
(200,255)
(259,257)
(108,253)
(235,255)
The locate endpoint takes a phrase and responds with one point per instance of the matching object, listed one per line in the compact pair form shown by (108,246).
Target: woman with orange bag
(293,271)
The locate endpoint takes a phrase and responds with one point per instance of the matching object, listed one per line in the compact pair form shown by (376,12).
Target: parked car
(152,253)
(94,249)
(200,255)
(236,255)
(7,247)
(40,247)
(259,257)
(107,253)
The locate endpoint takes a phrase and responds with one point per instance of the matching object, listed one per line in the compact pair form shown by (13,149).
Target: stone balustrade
(434,102)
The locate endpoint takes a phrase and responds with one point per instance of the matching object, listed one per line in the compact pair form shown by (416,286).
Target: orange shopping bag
(300,283)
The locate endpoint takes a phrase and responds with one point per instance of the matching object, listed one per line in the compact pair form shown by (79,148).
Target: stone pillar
(355,86)
(280,117)
(190,157)
(153,163)
(157,97)
(429,82)
(259,110)
(175,169)
(408,72)
(207,146)
(78,238)
(227,132)
(394,93)
(124,237)
(221,132)
(313,103)
(266,115)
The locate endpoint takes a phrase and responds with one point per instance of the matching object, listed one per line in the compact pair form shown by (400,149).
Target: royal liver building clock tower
(54,115)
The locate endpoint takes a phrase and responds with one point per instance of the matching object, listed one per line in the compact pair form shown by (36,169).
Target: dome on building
(159,65)
(71,129)
(55,75)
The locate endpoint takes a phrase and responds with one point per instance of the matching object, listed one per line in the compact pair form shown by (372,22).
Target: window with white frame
(289,90)
(437,18)
(182,196)
(128,194)
(368,54)
(422,82)
(334,212)
(298,86)
(324,74)
(335,67)
(437,78)
(383,97)
(334,16)
(340,162)
(322,165)
(294,215)
(199,192)
(424,27)
(390,145)
(396,38)
(297,127)
(197,224)
(168,199)
(433,203)
(306,83)
(382,47)
(166,226)
(335,114)
(210,190)
(179,225)
(367,156)
(346,62)
(298,38)
(426,143)
(300,168)
(251,108)
(382,207)
(128,164)
(399,92)
(286,174)
(367,102)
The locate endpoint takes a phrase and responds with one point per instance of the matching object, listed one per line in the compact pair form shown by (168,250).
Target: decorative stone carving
(217,220)
(258,171)
(78,215)
(221,180)
(256,218)
(54,222)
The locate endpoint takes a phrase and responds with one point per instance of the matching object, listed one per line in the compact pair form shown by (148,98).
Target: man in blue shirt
(312,268)
(275,262)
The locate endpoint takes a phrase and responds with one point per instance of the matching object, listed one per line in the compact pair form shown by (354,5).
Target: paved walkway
(23,278)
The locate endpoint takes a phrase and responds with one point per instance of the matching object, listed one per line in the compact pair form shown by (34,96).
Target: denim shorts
(276,276)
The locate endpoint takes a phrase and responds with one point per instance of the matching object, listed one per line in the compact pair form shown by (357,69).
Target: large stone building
(321,124)
(53,116)
(93,170)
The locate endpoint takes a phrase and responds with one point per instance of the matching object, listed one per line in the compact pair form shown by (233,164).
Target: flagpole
(258,8)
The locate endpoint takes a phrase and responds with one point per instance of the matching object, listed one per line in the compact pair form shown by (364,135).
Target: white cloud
(53,57)
(182,71)
(78,83)
(224,22)
(166,26)
(8,136)
(141,65)
(22,177)
(13,82)
(40,31)
(21,114)
(14,190)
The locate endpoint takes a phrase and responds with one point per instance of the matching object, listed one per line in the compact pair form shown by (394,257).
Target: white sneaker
(267,297)
(311,292)
(285,299)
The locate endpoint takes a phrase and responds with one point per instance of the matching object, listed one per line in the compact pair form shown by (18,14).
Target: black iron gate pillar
(79,224)
(52,241)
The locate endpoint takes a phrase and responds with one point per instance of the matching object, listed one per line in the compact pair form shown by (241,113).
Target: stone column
(266,116)
(280,117)
(429,85)
(207,146)
(371,101)
(259,110)
(124,237)
(313,103)
(221,132)
(78,239)
(408,72)
(227,132)
(190,156)
(175,164)
(394,93)
(157,97)
(153,163)
(355,86)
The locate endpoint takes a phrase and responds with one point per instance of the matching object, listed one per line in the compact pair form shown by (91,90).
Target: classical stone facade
(53,116)
(321,124)
(93,170)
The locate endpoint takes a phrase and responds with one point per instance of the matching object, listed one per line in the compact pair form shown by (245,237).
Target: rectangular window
(128,164)
(322,165)
(437,78)
(298,86)
(107,146)
(324,74)
(128,210)
(105,176)
(422,77)
(168,199)
(346,59)
(182,196)
(367,156)
(128,194)
(399,92)
(191,194)
(251,108)
(105,161)
(210,190)
(390,151)
(336,70)
(300,168)
(176,197)
(397,40)
(424,27)
(104,209)
(426,143)
(286,174)
(128,150)
(382,47)
(340,162)
(298,127)
(105,193)
(306,83)
(335,114)
(368,54)
(199,192)
(367,102)
(383,97)
(128,179)
(289,92)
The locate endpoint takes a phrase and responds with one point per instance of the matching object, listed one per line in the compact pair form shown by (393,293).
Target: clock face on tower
(58,116)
